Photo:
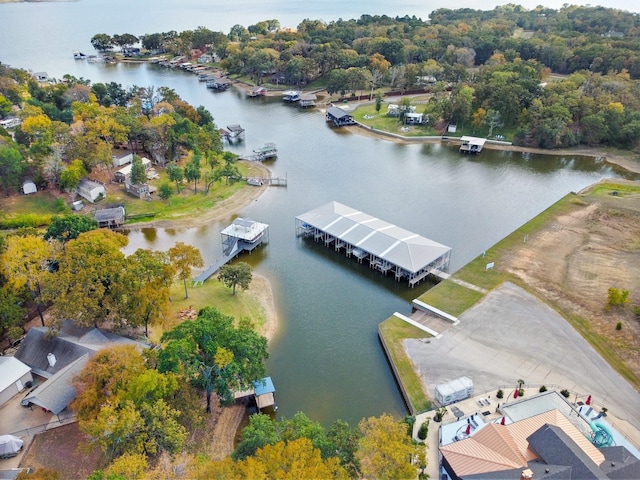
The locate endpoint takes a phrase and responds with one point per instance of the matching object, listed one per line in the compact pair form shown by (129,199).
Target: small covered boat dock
(472,144)
(269,151)
(384,246)
(242,235)
(263,393)
(291,96)
(233,133)
(339,117)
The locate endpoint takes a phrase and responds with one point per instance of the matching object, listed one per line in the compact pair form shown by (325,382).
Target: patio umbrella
(502,421)
(468,431)
(515,393)
(588,402)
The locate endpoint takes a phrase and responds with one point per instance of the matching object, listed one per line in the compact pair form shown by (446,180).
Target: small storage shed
(122,159)
(90,190)
(454,391)
(14,376)
(29,187)
(125,172)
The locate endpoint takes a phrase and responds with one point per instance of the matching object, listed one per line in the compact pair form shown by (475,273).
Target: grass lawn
(367,115)
(211,293)
(451,298)
(394,331)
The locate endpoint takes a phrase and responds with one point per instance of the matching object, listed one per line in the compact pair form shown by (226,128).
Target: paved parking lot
(511,335)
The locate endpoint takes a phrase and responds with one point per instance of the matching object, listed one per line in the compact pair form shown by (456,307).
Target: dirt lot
(575,259)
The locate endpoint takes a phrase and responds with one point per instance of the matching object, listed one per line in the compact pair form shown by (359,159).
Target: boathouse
(291,96)
(110,217)
(386,247)
(339,117)
(263,393)
(308,100)
(472,144)
(242,235)
(233,133)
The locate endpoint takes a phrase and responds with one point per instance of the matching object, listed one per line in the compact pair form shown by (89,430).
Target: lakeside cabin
(472,144)
(339,117)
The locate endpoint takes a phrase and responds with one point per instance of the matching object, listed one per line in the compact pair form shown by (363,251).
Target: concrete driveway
(511,335)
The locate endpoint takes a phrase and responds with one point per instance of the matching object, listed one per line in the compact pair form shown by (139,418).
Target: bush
(499,394)
(409,420)
(424,430)
(617,296)
(636,311)
(521,392)
(542,389)
(25,220)
(619,326)
(565,393)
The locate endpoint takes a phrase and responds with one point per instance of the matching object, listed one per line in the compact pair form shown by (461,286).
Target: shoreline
(627,160)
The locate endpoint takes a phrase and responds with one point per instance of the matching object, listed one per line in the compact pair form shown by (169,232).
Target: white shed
(122,159)
(124,173)
(91,190)
(14,376)
(29,187)
(454,391)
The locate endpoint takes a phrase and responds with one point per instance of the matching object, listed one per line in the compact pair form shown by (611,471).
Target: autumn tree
(151,275)
(24,264)
(284,460)
(71,176)
(215,354)
(386,450)
(184,257)
(122,405)
(237,274)
(91,285)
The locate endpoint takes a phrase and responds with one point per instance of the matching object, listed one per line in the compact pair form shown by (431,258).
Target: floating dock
(243,235)
(386,247)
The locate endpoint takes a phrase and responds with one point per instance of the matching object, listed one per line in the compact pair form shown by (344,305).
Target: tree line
(70,128)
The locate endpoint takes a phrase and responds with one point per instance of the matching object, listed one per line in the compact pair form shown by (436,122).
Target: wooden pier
(270,181)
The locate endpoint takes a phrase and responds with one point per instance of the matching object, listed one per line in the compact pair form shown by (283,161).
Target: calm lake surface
(326,359)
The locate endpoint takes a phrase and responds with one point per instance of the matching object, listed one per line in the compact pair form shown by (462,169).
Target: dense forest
(483,67)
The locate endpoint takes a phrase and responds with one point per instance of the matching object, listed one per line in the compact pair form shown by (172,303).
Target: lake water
(326,359)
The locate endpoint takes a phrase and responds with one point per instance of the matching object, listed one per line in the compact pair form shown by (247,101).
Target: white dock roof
(401,247)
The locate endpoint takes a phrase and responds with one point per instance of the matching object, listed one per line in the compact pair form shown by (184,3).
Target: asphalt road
(511,335)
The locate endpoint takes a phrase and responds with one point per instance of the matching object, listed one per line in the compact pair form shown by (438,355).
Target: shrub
(409,420)
(542,389)
(424,430)
(565,393)
(636,311)
(25,220)
(618,297)
(521,392)
(619,326)
(499,394)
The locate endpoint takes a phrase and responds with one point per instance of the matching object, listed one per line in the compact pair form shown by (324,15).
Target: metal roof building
(387,247)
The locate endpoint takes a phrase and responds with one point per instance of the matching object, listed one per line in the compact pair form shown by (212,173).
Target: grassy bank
(211,293)
(455,299)
(393,331)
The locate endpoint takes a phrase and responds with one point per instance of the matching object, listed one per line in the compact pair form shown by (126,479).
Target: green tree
(138,172)
(102,42)
(165,191)
(260,432)
(237,274)
(218,356)
(176,174)
(192,172)
(67,227)
(10,314)
(11,167)
(183,257)
(71,176)
(386,451)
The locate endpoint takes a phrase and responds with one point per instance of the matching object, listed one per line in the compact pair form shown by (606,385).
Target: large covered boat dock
(387,248)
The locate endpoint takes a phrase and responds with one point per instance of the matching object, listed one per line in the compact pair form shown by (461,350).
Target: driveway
(511,335)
